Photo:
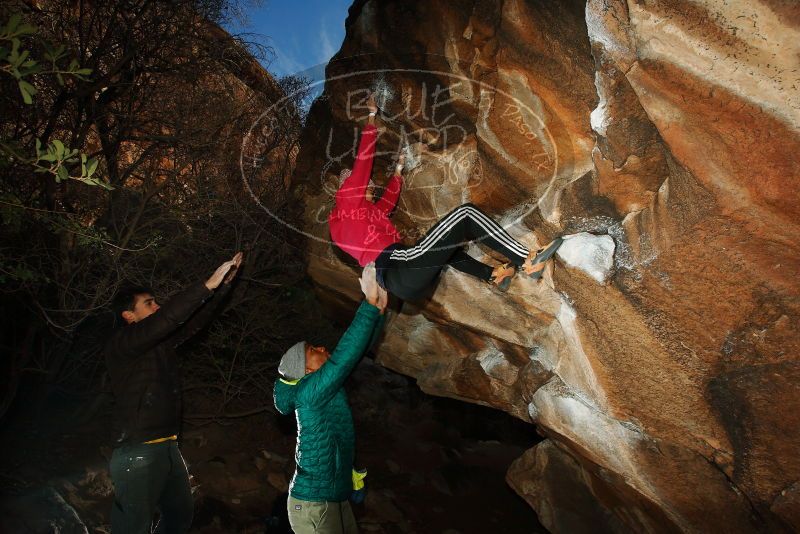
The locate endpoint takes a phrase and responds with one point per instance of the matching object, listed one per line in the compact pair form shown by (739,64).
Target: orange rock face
(660,355)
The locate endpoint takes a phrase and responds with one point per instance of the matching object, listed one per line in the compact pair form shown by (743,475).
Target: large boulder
(660,355)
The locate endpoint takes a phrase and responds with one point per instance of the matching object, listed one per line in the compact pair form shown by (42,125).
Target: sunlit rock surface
(660,355)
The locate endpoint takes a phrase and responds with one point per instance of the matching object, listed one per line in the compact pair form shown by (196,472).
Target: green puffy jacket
(325,436)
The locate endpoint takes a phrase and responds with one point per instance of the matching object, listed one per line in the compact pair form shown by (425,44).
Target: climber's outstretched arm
(355,186)
(391,194)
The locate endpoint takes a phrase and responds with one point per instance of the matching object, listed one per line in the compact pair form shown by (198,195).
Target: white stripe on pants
(445,225)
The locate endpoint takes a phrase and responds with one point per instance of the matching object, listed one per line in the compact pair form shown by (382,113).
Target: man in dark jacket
(311,385)
(147,468)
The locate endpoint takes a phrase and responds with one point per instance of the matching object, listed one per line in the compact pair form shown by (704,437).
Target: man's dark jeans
(149,478)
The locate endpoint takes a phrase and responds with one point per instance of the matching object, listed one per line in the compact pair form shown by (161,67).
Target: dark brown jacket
(144,369)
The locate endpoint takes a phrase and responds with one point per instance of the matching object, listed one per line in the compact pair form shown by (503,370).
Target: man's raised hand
(225,272)
(234,270)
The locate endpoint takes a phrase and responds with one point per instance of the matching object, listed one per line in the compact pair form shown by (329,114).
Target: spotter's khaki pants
(309,517)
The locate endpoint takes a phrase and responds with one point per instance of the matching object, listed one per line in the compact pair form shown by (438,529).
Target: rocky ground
(435,465)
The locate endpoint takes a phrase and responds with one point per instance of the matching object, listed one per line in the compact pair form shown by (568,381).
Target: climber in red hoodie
(362,228)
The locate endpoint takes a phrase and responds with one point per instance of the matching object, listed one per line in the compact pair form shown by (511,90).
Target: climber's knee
(460,209)
(468,205)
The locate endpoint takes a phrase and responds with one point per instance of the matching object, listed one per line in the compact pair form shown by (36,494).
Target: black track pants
(150,477)
(408,271)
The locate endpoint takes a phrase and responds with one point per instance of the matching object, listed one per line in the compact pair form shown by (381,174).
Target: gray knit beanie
(293,362)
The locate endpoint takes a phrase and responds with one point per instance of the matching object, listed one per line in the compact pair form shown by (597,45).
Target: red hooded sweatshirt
(359,227)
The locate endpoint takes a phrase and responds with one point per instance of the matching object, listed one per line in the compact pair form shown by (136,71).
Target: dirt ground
(435,466)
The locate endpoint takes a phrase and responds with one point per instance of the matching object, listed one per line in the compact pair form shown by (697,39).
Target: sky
(303,33)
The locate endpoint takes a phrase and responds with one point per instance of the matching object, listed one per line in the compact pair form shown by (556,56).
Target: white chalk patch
(494,364)
(614,444)
(599,118)
(489,360)
(574,367)
(599,32)
(592,254)
(629,257)
(533,413)
(413,159)
(383,92)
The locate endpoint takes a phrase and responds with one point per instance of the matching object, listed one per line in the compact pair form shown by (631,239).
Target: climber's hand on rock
(401,161)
